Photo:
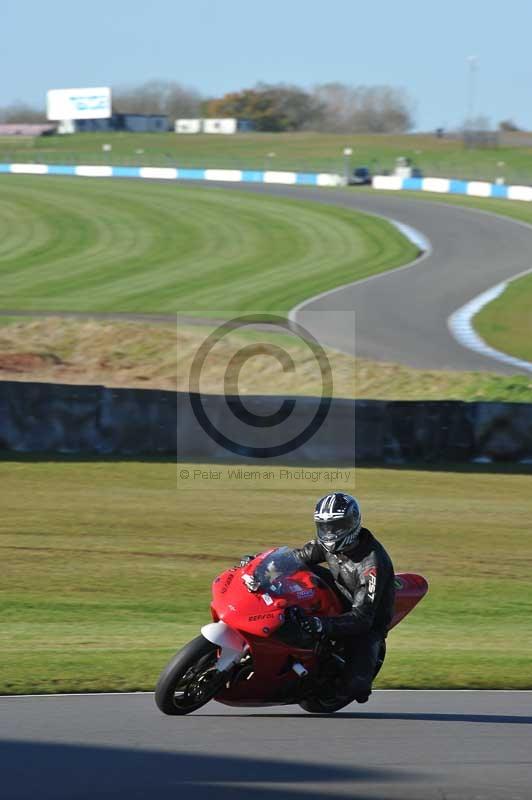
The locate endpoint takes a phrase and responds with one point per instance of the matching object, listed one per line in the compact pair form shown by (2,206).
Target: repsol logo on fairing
(256,617)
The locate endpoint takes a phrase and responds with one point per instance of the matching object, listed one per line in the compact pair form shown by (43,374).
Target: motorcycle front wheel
(190,679)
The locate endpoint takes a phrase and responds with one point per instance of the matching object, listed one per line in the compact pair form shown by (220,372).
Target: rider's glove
(244,561)
(312,626)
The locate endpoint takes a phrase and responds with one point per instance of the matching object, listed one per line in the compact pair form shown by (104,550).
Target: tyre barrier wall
(179,174)
(96,420)
(452,186)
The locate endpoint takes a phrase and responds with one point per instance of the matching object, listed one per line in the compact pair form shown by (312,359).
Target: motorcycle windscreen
(274,566)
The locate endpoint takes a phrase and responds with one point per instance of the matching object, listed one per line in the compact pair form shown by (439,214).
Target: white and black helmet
(338,522)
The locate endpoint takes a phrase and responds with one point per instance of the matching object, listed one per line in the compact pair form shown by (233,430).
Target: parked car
(361,176)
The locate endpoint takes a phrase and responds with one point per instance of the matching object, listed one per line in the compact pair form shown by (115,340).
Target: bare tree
(478,123)
(20,112)
(158,97)
(363,109)
(339,103)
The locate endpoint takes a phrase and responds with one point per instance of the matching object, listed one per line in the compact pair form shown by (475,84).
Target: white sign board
(187,126)
(94,103)
(220,125)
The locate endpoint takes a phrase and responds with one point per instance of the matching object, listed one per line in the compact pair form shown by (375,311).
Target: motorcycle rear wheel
(190,679)
(320,705)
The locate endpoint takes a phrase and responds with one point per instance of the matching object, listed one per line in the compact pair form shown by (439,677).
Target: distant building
(188,125)
(226,125)
(142,123)
(26,129)
(134,123)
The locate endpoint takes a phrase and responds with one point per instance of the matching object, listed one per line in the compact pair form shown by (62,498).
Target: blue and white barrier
(452,186)
(387,182)
(180,174)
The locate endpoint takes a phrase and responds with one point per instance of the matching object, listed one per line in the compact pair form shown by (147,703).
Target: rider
(363,575)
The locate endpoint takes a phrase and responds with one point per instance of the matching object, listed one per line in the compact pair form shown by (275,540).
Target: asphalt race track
(413,745)
(401,316)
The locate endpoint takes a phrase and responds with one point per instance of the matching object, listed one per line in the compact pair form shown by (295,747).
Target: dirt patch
(27,362)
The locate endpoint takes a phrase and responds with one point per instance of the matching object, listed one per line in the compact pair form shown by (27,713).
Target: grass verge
(104,576)
(314,152)
(160,357)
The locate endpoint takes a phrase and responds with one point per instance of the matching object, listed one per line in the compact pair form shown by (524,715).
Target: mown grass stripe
(99,245)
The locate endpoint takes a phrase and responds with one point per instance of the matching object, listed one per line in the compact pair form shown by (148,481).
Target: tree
(363,109)
(479,123)
(508,126)
(158,97)
(384,109)
(20,112)
(272,107)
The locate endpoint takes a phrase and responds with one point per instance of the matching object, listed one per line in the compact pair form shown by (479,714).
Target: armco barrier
(451,186)
(95,420)
(179,174)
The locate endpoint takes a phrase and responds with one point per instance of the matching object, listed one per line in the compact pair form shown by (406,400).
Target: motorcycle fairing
(257,614)
(233,646)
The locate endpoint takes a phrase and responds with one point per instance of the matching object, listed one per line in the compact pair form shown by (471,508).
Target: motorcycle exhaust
(300,670)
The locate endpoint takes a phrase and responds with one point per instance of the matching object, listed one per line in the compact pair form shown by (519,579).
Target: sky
(224,45)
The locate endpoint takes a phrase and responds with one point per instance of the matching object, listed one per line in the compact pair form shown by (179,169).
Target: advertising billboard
(92,103)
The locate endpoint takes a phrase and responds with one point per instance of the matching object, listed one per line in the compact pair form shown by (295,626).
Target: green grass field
(507,322)
(103,577)
(291,151)
(105,245)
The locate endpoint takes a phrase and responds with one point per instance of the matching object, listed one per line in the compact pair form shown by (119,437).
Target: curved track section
(417,745)
(401,315)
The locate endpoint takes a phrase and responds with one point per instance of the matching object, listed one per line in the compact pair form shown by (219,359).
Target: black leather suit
(364,578)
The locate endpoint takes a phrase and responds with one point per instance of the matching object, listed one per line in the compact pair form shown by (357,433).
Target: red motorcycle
(255,653)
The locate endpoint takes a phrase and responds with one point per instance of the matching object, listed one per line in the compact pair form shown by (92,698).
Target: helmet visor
(333,530)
